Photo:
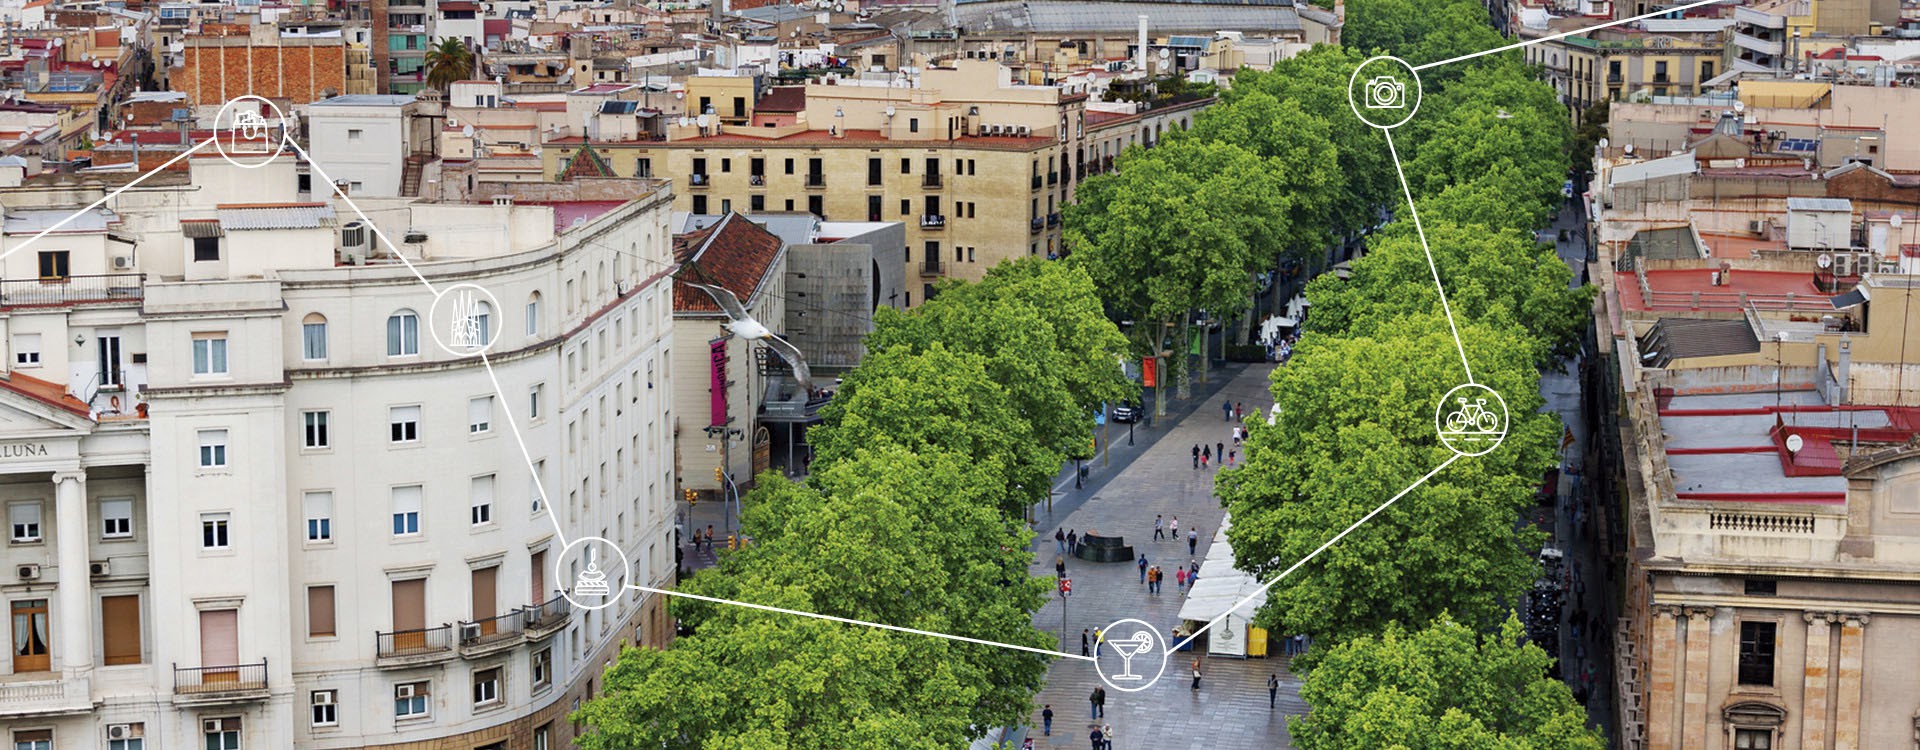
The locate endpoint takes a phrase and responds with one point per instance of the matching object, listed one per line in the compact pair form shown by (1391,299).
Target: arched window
(482,317)
(403,334)
(533,314)
(313,337)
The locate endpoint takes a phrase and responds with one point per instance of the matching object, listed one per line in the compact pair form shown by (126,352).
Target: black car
(1126,412)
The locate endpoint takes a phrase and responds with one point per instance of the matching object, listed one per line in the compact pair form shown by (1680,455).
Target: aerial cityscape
(603,374)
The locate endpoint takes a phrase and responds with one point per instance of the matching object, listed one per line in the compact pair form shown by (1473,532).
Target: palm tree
(447,62)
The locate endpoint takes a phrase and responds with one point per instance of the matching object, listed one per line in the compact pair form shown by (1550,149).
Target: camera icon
(1386,92)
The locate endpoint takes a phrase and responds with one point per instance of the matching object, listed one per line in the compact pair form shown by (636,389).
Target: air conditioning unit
(1755,226)
(27,572)
(469,631)
(401,692)
(356,243)
(1024,131)
(323,697)
(211,726)
(122,262)
(125,731)
(99,569)
(415,237)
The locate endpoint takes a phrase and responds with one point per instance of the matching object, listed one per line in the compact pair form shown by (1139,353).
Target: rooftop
(366,100)
(735,254)
(1732,447)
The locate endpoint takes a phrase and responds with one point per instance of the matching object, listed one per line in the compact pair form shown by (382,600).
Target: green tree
(448,61)
(1444,687)
(1298,148)
(1317,81)
(1356,426)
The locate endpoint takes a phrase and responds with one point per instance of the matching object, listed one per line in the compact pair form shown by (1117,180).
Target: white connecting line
(109,196)
(1316,553)
(848,621)
(1423,245)
(1565,34)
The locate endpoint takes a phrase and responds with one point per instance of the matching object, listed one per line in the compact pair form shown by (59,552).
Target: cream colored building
(976,166)
(252,503)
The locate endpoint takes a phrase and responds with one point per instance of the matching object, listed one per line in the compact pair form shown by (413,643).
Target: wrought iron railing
(212,681)
(492,629)
(546,614)
(68,290)
(414,642)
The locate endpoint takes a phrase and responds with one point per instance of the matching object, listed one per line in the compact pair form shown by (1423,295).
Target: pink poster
(717,386)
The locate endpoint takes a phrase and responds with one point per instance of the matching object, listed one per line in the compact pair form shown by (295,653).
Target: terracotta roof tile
(46,392)
(734,253)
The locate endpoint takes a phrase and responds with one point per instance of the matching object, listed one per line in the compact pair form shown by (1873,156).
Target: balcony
(228,684)
(494,634)
(757,180)
(1615,79)
(48,695)
(1036,225)
(1036,182)
(71,290)
(1053,219)
(816,180)
(1053,178)
(933,221)
(408,648)
(930,181)
(542,619)
(699,180)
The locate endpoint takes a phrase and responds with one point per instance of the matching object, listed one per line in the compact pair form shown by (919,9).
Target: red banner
(1149,373)
(717,384)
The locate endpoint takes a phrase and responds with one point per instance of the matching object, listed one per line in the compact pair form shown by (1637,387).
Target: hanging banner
(1150,372)
(717,384)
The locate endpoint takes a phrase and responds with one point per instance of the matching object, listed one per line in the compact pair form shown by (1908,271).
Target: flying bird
(743,325)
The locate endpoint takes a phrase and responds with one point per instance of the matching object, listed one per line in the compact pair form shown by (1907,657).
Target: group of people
(1219,454)
(1152,577)
(1068,541)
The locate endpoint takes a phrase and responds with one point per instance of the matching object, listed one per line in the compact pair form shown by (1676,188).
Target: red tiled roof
(734,254)
(52,394)
(783,99)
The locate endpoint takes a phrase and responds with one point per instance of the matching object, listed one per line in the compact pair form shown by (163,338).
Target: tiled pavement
(1229,712)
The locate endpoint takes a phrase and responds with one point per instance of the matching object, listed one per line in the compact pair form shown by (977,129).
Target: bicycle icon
(1474,416)
(1471,419)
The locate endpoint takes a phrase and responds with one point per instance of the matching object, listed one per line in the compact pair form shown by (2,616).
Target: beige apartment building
(975,165)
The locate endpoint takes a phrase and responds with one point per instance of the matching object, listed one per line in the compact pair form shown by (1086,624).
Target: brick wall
(301,74)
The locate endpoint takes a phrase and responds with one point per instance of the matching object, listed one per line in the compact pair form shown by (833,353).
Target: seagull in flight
(743,325)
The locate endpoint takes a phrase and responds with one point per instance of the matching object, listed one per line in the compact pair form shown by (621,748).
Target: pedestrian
(1205,458)
(1143,569)
(1159,528)
(1099,639)
(1084,641)
(1193,540)
(1236,436)
(1180,579)
(1046,721)
(1073,543)
(1059,567)
(1299,645)
(1174,527)
(1093,702)
(1273,689)
(1226,411)
(1239,410)
(1100,699)
(1107,729)
(1099,740)
(1233,456)
(1220,449)
(1060,538)
(1196,674)
(1153,580)
(1196,455)
(1193,569)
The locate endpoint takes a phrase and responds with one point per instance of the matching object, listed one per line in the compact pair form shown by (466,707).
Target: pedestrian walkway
(1229,712)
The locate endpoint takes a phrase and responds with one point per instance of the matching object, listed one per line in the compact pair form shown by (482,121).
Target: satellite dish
(1629,149)
(1795,443)
(1895,221)
(1739,106)
(890,111)
(1164,54)
(1603,143)
(466,131)
(1824,261)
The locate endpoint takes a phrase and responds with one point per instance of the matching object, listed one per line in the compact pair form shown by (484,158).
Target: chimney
(1141,55)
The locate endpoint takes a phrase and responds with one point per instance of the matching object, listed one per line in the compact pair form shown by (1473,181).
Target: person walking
(1174,528)
(1196,674)
(1100,699)
(1059,567)
(1233,455)
(1143,570)
(1159,528)
(1206,454)
(1226,411)
(1073,543)
(1060,539)
(1107,729)
(1046,721)
(1193,540)
(1273,689)
(1180,579)
(1093,702)
(1099,639)
(1196,455)
(1153,580)
(1220,450)
(1239,410)
(1099,740)
(1084,640)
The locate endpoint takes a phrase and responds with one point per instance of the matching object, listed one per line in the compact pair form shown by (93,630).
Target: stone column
(74,618)
(1660,664)
(1846,715)
(1815,697)
(1693,709)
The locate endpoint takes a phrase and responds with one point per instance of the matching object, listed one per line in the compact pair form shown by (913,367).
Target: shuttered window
(120,629)
(539,577)
(485,586)
(410,604)
(219,637)
(320,611)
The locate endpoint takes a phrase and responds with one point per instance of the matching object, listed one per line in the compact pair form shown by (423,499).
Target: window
(26,349)
(120,630)
(533,314)
(482,495)
(403,334)
(913,124)
(873,171)
(479,415)
(1753,739)
(533,400)
(213,449)
(700,203)
(213,530)
(486,687)
(313,337)
(53,265)
(320,612)
(542,668)
(210,354)
(540,735)
(410,700)
(757,203)
(30,647)
(906,166)
(1757,641)
(33,739)
(116,519)
(24,520)
(314,429)
(355,134)
(325,708)
(481,316)
(127,736)
(539,474)
(317,508)
(206,249)
(403,424)
(406,510)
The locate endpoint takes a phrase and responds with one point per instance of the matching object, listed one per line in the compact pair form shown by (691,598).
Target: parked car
(1126,412)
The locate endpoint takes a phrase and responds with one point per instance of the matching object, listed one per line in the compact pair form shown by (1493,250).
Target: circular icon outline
(227,114)
(559,565)
(495,321)
(1158,638)
(1418,91)
(1470,415)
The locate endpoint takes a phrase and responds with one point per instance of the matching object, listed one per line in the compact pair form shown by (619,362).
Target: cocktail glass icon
(1140,643)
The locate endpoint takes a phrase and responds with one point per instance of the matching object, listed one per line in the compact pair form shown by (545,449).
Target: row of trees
(959,415)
